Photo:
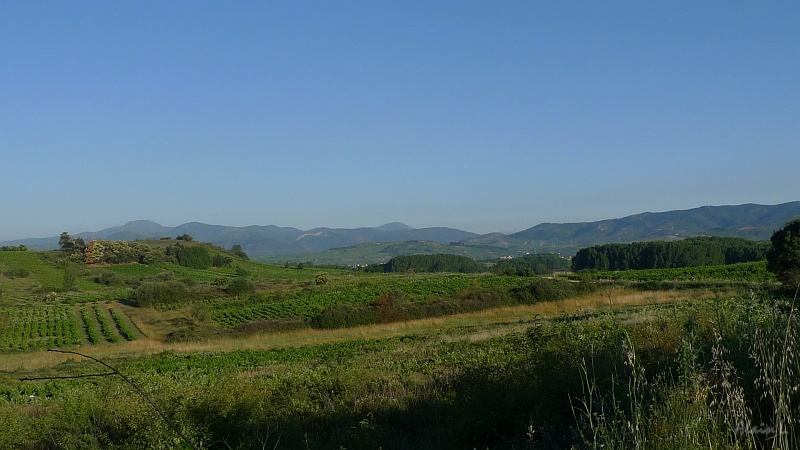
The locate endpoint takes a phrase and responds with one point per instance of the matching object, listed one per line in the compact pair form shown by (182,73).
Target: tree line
(528,265)
(691,252)
(14,248)
(438,262)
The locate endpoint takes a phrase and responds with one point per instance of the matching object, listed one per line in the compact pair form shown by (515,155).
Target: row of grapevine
(46,326)
(109,294)
(90,326)
(122,325)
(310,304)
(60,325)
(109,333)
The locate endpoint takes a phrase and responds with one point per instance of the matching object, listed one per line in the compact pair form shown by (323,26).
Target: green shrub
(239,286)
(549,289)
(195,257)
(159,293)
(221,260)
(108,279)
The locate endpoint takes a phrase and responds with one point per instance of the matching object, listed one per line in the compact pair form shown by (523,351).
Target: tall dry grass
(706,403)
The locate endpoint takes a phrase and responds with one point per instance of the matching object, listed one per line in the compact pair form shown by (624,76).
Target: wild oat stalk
(589,416)
(611,426)
(636,387)
(728,406)
(776,356)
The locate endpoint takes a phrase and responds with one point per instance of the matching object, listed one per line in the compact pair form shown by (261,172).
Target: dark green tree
(66,242)
(239,286)
(237,250)
(783,259)
(79,244)
(220,260)
(70,274)
(194,256)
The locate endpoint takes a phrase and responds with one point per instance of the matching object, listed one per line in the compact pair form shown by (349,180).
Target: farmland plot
(26,328)
(46,326)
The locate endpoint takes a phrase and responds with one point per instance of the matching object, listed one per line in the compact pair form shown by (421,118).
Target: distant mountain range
(750,221)
(266,240)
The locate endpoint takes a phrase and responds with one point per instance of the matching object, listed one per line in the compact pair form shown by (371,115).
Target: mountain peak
(394,226)
(142,223)
(144,227)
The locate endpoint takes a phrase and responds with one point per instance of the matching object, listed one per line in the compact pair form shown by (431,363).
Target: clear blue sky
(479,115)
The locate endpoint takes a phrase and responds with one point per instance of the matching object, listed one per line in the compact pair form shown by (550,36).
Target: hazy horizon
(480,116)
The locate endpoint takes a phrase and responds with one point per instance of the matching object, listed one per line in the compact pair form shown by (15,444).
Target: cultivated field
(249,355)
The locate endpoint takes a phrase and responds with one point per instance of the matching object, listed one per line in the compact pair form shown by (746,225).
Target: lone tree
(237,250)
(66,242)
(783,259)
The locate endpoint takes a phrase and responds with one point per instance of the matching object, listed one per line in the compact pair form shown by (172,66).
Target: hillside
(750,221)
(755,222)
(342,245)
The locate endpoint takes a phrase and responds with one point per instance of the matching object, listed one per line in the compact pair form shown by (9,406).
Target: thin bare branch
(138,389)
(64,377)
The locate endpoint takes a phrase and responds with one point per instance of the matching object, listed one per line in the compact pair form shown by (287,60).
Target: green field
(743,272)
(253,355)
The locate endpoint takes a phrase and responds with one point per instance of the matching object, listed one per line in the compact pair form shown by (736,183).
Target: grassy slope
(46,273)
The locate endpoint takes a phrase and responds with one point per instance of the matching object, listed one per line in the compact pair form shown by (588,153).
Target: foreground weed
(775,351)
(609,423)
(702,401)
(728,400)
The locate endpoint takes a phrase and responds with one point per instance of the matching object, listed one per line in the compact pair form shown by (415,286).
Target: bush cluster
(152,293)
(239,286)
(550,289)
(194,256)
